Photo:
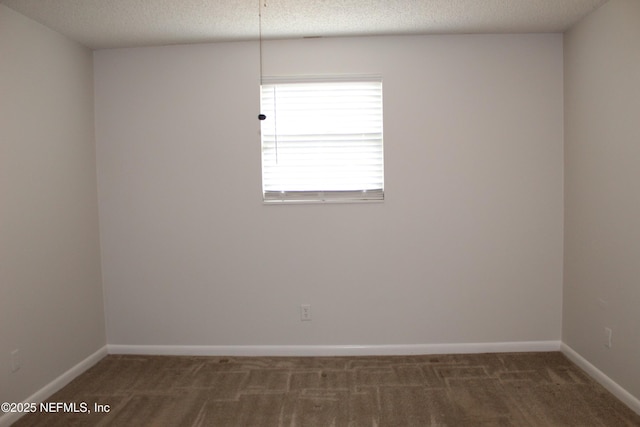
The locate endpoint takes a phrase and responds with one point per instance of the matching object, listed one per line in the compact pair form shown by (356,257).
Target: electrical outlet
(16,362)
(607,337)
(305,312)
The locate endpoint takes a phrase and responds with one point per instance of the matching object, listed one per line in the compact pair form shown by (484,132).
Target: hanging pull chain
(260,5)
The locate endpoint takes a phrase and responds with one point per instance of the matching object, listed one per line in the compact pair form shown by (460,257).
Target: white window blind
(322,140)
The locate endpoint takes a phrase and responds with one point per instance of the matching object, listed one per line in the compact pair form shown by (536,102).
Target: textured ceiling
(123,23)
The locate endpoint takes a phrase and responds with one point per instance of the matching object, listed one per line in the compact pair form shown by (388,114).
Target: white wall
(602,208)
(466,248)
(51,305)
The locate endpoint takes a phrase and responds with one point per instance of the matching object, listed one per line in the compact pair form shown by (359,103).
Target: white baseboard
(45,392)
(334,350)
(627,398)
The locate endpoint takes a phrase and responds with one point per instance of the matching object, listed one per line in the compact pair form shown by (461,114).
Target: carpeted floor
(511,389)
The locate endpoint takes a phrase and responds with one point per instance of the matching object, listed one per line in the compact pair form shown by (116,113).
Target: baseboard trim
(618,391)
(334,350)
(45,392)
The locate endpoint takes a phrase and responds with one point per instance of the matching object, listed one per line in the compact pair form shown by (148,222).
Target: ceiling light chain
(261,4)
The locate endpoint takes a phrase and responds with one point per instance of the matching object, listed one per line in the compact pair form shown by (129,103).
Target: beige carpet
(511,389)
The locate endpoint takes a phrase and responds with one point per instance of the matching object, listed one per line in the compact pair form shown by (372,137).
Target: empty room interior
(133,218)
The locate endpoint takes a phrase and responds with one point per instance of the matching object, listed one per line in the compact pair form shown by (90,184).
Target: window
(322,140)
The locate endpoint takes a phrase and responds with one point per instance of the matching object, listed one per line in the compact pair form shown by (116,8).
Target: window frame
(369,195)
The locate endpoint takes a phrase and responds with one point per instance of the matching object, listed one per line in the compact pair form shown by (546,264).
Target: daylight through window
(322,140)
